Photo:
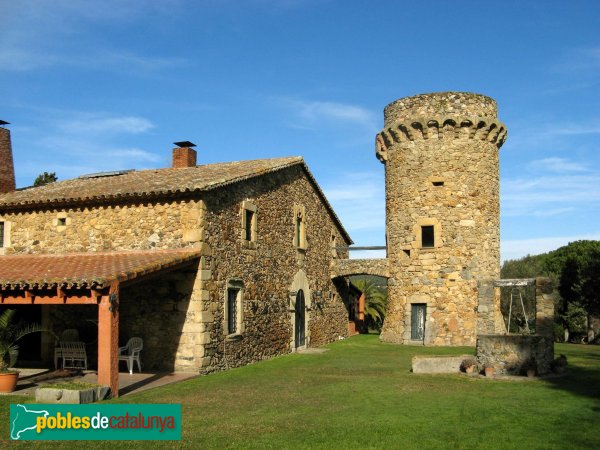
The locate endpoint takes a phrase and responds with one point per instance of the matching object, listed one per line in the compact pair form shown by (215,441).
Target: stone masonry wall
(270,269)
(141,226)
(181,317)
(509,353)
(441,169)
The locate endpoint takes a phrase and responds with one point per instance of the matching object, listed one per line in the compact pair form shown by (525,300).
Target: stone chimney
(7,167)
(184,155)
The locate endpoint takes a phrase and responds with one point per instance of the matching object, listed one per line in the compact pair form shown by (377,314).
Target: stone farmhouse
(220,265)
(213,266)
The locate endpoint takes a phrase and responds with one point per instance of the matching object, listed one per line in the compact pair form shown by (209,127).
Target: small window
(427,236)
(248,227)
(299,228)
(334,250)
(62,222)
(1,234)
(232,310)
(438,183)
(407,252)
(233,314)
(249,224)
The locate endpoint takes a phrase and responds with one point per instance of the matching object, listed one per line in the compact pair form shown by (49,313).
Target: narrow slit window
(298,231)
(1,234)
(249,234)
(249,221)
(299,227)
(232,304)
(438,183)
(427,236)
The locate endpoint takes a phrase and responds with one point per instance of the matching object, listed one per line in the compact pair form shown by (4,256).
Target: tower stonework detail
(440,153)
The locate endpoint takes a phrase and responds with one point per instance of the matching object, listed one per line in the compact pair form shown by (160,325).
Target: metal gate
(417,329)
(300,312)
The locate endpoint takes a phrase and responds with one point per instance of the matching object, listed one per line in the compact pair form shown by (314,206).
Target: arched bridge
(348,267)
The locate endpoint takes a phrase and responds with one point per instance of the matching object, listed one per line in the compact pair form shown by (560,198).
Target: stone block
(70,396)
(438,364)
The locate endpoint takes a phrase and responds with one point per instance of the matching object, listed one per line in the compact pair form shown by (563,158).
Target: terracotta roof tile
(145,183)
(156,182)
(90,270)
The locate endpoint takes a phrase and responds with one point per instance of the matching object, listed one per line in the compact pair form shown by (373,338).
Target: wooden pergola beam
(57,296)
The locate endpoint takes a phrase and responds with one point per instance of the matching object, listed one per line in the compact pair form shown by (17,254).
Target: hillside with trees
(575,269)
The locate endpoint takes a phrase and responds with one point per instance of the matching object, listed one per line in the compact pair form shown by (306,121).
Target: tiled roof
(145,183)
(152,183)
(86,270)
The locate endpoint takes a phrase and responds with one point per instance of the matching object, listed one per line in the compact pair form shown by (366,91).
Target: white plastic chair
(131,353)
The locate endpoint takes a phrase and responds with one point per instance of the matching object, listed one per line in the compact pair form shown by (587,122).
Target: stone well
(509,352)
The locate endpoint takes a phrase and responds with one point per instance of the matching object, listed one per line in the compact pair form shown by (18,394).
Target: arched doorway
(300,322)
(299,311)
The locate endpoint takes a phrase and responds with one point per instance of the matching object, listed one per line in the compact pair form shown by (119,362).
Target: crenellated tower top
(440,115)
(463,104)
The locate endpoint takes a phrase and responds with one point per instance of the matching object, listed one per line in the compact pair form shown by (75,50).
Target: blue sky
(103,85)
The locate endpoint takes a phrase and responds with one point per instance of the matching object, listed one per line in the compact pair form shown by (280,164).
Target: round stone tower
(440,153)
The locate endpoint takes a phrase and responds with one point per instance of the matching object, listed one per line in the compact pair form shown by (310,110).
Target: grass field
(361,394)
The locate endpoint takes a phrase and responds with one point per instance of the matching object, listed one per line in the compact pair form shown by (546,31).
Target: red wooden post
(108,340)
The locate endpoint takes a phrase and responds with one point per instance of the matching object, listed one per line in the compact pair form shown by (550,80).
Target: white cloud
(517,248)
(40,34)
(581,61)
(557,165)
(133,154)
(359,200)
(314,111)
(71,143)
(115,125)
(573,129)
(563,186)
(313,114)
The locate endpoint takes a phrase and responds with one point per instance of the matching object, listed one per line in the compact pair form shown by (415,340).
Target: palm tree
(375,303)
(9,335)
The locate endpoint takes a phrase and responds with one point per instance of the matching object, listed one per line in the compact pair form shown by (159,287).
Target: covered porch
(93,279)
(31,379)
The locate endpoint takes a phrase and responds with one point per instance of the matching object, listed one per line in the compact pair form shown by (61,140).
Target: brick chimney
(184,155)
(7,167)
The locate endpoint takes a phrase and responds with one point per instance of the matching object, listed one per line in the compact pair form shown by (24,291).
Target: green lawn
(361,394)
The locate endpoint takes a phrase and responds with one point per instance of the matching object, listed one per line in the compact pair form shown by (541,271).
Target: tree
(9,335)
(375,302)
(45,178)
(589,285)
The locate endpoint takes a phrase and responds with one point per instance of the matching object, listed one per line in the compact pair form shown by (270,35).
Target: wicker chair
(68,335)
(73,355)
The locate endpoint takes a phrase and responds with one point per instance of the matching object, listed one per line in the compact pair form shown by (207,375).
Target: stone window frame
(247,205)
(236,284)
(334,243)
(300,241)
(437,233)
(62,221)
(6,235)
